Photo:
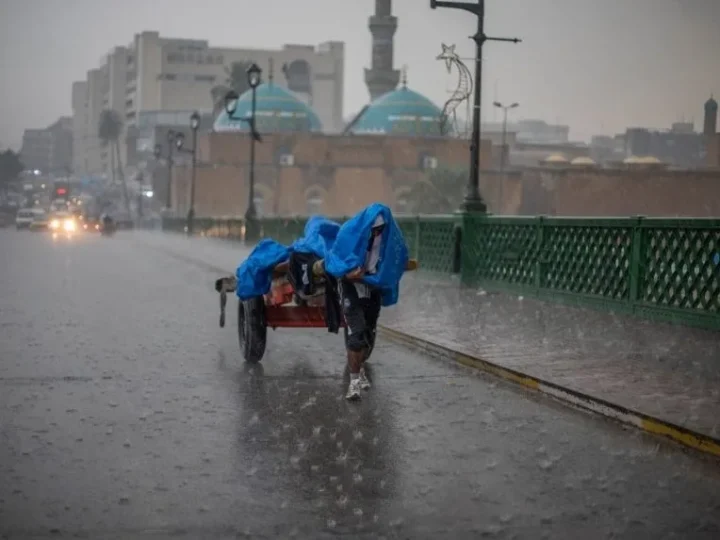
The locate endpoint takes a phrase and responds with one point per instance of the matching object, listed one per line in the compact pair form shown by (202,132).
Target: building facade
(306,173)
(49,150)
(154,74)
(676,147)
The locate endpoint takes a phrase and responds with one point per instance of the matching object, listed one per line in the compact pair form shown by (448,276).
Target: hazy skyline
(599,66)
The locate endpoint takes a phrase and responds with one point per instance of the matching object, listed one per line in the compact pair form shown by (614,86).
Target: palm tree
(109,131)
(440,192)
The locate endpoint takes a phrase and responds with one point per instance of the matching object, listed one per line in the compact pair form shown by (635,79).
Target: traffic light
(61,191)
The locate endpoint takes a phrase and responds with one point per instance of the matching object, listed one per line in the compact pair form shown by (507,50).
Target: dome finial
(271,71)
(404,76)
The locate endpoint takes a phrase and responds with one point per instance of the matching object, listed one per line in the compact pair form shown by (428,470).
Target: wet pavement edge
(567,396)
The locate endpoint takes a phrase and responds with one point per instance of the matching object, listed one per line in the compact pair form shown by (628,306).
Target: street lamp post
(254,74)
(179,143)
(505,109)
(473,200)
(171,143)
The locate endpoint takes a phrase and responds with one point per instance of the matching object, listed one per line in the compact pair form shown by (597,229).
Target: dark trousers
(361,314)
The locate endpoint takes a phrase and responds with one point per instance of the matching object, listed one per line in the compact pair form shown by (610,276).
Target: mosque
(393,142)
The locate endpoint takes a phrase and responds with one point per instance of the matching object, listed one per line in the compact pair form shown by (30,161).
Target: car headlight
(55,224)
(69,225)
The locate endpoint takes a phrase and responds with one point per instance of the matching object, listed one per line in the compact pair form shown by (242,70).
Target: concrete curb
(638,420)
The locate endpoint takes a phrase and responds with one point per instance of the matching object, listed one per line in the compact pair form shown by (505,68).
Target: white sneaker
(364,382)
(353,393)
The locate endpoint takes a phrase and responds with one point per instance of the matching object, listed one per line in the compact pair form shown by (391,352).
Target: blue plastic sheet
(254,275)
(344,248)
(350,249)
(319,237)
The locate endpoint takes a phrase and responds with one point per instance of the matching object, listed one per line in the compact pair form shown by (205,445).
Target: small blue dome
(400,112)
(276,110)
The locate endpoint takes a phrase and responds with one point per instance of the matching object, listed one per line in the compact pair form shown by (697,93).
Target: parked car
(25,217)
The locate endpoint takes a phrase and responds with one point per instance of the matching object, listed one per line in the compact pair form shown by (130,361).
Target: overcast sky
(597,65)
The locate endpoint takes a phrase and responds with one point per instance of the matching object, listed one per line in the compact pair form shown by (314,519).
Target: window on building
(314,203)
(259,204)
(205,78)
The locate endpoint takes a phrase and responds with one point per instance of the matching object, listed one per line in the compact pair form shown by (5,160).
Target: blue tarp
(254,275)
(344,249)
(350,249)
(319,237)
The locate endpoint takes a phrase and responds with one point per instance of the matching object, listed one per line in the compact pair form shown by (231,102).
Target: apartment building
(49,150)
(88,101)
(179,74)
(154,74)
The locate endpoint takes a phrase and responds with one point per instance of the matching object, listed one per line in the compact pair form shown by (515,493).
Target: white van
(25,217)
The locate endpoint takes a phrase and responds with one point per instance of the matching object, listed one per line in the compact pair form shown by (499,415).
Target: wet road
(125,413)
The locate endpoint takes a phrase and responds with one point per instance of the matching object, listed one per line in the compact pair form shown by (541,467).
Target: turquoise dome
(400,112)
(276,110)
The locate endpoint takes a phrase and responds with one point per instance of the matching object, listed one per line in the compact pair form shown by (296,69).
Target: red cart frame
(281,307)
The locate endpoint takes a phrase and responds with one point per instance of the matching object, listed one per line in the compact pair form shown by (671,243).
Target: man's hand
(318,268)
(355,274)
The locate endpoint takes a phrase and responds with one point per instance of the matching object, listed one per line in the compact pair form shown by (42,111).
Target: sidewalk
(669,372)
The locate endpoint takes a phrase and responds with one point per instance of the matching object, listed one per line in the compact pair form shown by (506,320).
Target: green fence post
(540,256)
(470,230)
(457,248)
(417,237)
(636,245)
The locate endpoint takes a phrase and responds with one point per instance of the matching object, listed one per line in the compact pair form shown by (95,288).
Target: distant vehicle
(61,190)
(59,205)
(107,225)
(40,221)
(26,216)
(63,222)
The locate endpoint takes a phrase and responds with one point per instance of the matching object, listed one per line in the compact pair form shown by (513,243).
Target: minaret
(381,77)
(711,115)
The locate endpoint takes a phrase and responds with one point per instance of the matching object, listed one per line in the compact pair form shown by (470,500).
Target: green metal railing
(430,238)
(666,269)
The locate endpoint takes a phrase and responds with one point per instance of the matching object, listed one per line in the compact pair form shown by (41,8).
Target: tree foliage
(109,126)
(237,78)
(109,131)
(10,167)
(217,95)
(440,192)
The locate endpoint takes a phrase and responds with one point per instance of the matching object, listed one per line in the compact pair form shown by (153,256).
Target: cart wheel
(371,338)
(252,330)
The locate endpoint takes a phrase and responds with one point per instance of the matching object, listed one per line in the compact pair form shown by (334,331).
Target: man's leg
(355,345)
(372,314)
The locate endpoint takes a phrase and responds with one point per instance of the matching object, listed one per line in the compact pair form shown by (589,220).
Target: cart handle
(224,286)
